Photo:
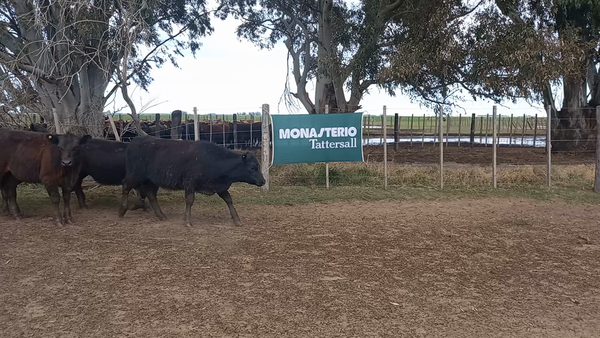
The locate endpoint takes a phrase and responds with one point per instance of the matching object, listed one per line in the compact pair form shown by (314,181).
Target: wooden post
(437,120)
(223,131)
(499,130)
(523,132)
(494,134)
(251,127)
(175,123)
(487,126)
(441,141)
(383,123)
(597,176)
(210,129)
(157,125)
(472,139)
(196,126)
(459,125)
(549,144)
(511,131)
(235,135)
(57,127)
(535,130)
(447,128)
(412,117)
(396,120)
(265,146)
(481,129)
(423,134)
(327,163)
(385,165)
(114,128)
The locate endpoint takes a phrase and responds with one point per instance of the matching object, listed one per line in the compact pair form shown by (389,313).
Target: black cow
(105,162)
(186,165)
(32,157)
(39,127)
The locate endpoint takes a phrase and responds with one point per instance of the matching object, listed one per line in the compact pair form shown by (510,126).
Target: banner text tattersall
(317,138)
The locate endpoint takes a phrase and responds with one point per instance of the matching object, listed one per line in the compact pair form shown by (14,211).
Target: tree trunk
(574,129)
(324,90)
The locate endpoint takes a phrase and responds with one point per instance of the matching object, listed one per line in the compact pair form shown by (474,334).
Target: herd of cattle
(145,164)
(245,133)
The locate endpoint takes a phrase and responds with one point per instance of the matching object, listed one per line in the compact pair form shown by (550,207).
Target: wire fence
(412,142)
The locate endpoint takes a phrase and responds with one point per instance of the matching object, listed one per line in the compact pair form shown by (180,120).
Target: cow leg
(151,191)
(227,198)
(79,193)
(4,201)
(11,199)
(190,195)
(126,189)
(68,218)
(9,192)
(55,198)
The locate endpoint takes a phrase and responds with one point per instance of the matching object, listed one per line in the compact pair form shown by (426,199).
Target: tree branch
(6,58)
(145,59)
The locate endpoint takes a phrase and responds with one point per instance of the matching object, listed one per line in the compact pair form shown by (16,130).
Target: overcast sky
(230,75)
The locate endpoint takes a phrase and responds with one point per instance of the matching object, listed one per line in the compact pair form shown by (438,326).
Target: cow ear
(53,138)
(84,139)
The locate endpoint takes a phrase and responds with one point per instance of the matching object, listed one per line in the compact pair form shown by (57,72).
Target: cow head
(68,145)
(38,127)
(249,171)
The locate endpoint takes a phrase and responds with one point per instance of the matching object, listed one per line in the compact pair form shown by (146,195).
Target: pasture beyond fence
(385,137)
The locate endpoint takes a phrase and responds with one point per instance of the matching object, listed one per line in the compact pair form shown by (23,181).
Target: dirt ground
(485,268)
(430,154)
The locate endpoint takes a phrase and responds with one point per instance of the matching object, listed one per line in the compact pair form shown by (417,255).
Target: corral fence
(386,137)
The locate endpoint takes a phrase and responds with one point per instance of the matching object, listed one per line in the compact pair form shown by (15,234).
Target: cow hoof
(237,223)
(188,224)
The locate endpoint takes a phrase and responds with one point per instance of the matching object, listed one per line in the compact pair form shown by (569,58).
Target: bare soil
(430,154)
(466,268)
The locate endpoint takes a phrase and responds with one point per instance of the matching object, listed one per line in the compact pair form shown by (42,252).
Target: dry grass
(371,174)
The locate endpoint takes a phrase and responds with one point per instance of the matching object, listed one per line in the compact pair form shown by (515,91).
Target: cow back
(104,161)
(29,157)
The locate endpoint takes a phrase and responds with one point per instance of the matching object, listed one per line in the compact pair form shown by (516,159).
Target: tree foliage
(344,46)
(63,54)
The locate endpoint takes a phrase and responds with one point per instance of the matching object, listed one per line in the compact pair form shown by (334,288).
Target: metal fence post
(196,126)
(494,132)
(385,178)
(441,140)
(597,178)
(549,143)
(327,163)
(265,146)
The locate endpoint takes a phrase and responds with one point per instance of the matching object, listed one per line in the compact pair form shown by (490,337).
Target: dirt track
(430,154)
(495,268)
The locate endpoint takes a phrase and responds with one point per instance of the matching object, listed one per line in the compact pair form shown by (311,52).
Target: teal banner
(312,138)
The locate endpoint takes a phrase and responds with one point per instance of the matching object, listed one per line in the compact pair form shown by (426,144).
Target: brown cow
(32,157)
